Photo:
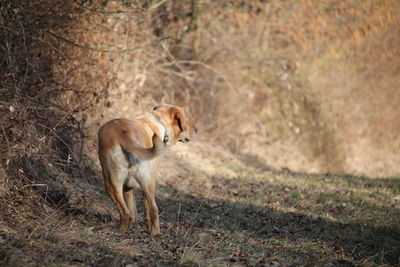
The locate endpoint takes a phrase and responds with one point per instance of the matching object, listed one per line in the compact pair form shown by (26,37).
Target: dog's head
(177,123)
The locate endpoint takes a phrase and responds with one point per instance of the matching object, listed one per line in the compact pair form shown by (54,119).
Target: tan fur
(127,149)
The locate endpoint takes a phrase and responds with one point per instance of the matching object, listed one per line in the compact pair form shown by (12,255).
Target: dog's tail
(137,151)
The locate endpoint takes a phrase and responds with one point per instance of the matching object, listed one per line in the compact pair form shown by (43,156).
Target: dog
(127,150)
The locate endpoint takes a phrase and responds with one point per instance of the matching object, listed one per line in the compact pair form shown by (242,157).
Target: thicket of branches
(60,61)
(41,151)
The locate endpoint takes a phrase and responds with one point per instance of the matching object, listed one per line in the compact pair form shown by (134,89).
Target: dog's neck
(163,130)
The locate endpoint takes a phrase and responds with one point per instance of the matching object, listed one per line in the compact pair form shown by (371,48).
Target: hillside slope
(307,85)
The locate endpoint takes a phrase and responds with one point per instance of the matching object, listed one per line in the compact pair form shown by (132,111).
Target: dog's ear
(180,118)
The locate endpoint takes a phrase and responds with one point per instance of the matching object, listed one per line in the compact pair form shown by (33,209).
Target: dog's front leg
(147,219)
(147,184)
(131,203)
(151,209)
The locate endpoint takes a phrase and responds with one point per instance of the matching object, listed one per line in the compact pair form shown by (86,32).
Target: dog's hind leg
(115,191)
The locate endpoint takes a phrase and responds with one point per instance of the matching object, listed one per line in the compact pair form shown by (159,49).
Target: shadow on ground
(359,240)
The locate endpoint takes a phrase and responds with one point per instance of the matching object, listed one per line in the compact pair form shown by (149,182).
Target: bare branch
(102,50)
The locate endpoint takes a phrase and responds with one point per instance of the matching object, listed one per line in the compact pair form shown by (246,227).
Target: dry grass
(313,82)
(304,85)
(255,217)
(283,83)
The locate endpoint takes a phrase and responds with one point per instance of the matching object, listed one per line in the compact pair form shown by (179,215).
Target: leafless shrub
(42,141)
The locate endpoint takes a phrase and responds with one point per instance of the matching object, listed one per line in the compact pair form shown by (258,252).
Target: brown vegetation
(277,86)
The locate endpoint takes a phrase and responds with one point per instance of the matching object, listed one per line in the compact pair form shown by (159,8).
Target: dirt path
(223,209)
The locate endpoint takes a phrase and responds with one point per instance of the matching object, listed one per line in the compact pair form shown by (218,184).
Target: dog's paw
(122,227)
(155,232)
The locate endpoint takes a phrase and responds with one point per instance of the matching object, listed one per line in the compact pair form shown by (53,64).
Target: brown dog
(127,149)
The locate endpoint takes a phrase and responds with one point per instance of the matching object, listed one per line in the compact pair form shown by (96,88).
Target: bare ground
(216,209)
